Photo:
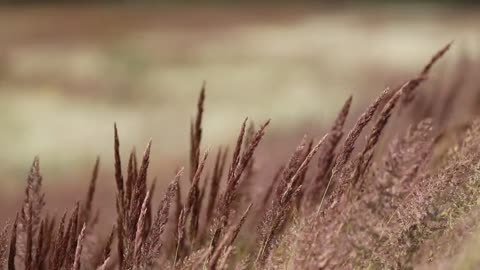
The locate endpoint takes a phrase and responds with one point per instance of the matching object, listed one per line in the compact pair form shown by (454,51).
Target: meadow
(383,179)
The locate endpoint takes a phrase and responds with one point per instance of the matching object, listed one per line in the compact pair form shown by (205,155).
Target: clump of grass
(369,208)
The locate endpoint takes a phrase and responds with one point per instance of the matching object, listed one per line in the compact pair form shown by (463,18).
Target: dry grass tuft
(369,204)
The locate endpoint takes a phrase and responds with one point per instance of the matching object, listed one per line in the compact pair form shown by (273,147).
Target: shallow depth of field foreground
(397,188)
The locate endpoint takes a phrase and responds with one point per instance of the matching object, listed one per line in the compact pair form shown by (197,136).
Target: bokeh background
(70,69)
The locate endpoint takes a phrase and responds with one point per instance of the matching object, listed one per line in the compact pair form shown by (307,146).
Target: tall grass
(363,205)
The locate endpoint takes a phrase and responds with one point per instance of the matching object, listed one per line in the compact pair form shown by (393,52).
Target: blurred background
(70,69)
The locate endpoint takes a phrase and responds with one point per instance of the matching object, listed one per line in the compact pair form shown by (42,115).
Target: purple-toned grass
(357,207)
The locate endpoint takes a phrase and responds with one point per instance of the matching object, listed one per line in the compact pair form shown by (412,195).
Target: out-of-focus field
(67,74)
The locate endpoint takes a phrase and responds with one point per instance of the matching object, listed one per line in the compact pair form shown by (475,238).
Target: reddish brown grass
(373,206)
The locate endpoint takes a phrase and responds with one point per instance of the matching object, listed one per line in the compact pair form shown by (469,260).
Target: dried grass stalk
(13,246)
(78,250)
(326,155)
(239,163)
(91,192)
